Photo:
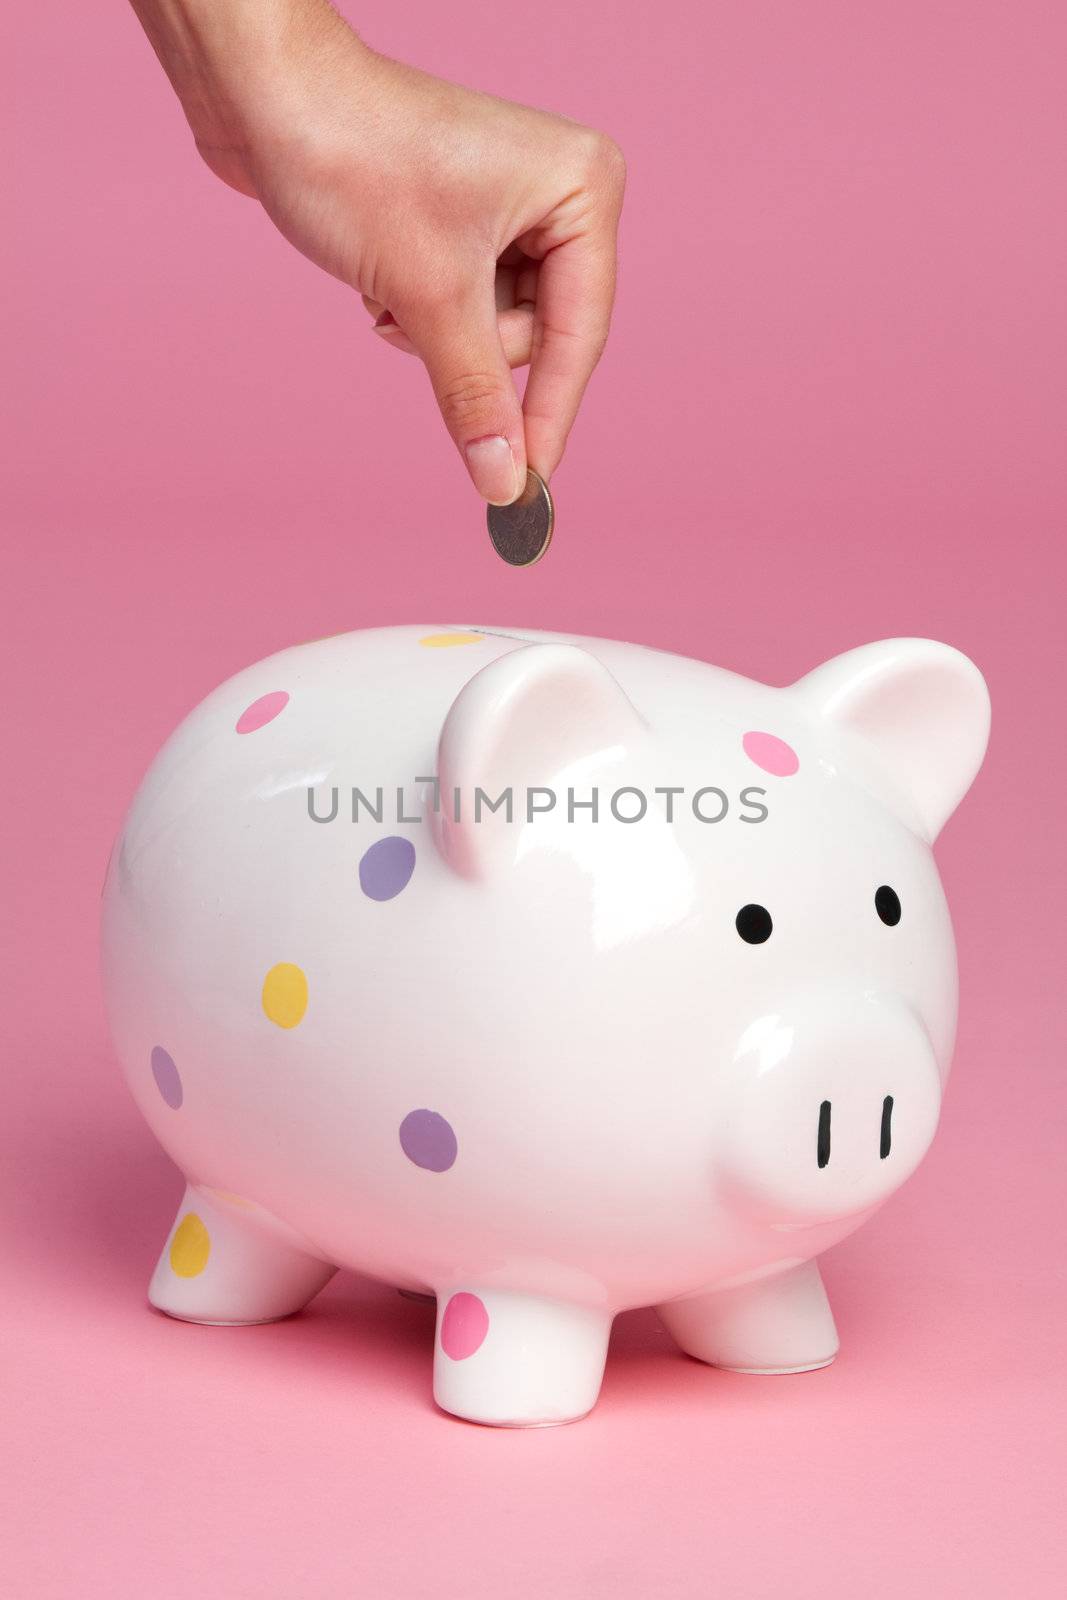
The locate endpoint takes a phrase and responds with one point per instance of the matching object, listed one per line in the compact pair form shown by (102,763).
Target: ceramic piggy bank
(547,976)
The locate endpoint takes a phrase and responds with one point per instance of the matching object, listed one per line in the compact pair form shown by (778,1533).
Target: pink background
(831,410)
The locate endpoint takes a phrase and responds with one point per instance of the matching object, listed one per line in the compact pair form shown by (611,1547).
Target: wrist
(231,62)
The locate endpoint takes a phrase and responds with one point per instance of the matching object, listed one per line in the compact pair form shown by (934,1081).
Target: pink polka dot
(262,711)
(772,754)
(463,1326)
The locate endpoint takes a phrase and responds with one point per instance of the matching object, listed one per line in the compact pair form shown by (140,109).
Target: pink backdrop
(831,410)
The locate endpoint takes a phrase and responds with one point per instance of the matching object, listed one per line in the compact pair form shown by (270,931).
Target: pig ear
(519,723)
(921,706)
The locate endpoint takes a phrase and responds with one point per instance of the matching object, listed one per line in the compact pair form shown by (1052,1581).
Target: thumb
(458,339)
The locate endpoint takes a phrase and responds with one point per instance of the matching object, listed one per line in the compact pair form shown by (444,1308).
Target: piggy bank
(545,976)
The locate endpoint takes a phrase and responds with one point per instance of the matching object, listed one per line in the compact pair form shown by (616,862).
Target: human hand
(480,234)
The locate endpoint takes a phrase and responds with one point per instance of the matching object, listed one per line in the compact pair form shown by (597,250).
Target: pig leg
(516,1360)
(227,1261)
(778,1324)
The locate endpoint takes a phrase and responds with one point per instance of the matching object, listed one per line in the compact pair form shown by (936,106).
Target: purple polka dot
(168,1079)
(772,754)
(262,711)
(427,1139)
(386,867)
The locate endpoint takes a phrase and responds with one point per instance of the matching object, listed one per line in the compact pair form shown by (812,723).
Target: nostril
(822,1143)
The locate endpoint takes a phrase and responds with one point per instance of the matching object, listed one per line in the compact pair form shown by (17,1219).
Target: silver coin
(522,531)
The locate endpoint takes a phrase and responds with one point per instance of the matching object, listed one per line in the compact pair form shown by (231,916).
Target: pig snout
(826,1108)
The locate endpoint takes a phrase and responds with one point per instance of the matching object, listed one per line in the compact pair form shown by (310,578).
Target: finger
(394,336)
(458,339)
(515,328)
(516,334)
(526,284)
(383,317)
(575,291)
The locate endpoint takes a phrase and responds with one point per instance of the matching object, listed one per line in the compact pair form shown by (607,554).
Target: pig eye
(754,924)
(887,905)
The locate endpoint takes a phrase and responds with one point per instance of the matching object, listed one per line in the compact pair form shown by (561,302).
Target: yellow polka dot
(285,994)
(190,1247)
(441,641)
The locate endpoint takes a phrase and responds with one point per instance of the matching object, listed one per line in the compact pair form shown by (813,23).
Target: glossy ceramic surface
(557,1066)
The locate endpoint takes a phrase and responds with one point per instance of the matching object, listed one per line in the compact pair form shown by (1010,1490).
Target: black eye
(754,924)
(887,905)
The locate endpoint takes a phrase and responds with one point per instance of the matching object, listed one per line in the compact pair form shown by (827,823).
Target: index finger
(575,291)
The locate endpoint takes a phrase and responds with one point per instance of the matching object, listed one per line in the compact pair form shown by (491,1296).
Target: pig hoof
(515,1361)
(775,1325)
(225,1264)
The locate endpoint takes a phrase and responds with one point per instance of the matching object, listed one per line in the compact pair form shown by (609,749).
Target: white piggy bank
(659,1038)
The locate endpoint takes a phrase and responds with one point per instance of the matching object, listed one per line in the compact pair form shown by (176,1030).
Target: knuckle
(611,158)
(606,162)
(598,339)
(470,397)
(584,343)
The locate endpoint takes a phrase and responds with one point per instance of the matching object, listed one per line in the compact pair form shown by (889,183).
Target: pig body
(549,1068)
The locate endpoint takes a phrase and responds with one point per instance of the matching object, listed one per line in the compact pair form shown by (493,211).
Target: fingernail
(492,466)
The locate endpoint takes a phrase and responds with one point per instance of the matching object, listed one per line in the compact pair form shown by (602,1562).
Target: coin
(522,531)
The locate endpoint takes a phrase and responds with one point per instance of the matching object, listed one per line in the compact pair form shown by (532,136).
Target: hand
(480,234)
